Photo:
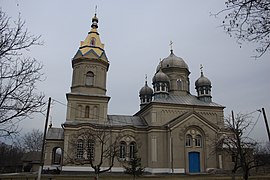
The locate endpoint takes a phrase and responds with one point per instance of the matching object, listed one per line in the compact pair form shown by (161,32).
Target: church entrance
(194,162)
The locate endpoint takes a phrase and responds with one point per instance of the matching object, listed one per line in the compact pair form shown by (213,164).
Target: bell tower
(87,101)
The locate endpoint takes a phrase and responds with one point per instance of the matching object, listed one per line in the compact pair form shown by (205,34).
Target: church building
(173,132)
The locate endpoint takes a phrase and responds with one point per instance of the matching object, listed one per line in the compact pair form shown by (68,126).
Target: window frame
(132,150)
(122,150)
(91,150)
(87,111)
(198,140)
(89,78)
(79,149)
(189,140)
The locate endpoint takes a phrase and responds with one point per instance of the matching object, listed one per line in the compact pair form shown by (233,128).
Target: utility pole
(266,123)
(44,138)
(233,120)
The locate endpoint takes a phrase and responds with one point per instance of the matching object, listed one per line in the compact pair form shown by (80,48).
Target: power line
(255,123)
(91,114)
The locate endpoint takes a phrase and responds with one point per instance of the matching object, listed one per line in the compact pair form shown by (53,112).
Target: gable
(78,54)
(103,56)
(191,118)
(91,54)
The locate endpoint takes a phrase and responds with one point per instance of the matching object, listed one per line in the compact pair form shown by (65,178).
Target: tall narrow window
(89,81)
(179,84)
(123,148)
(198,140)
(79,149)
(95,113)
(79,111)
(162,87)
(93,41)
(90,150)
(188,140)
(132,150)
(86,112)
(56,155)
(202,91)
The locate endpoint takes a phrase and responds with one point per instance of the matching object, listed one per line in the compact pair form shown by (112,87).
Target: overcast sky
(136,35)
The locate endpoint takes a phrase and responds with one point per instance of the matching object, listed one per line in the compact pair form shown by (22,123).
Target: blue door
(194,162)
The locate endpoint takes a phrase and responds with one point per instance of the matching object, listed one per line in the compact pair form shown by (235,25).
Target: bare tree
(32,141)
(94,147)
(10,158)
(248,20)
(239,145)
(19,75)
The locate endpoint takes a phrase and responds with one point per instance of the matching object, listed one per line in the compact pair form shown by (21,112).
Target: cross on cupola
(201,67)
(95,20)
(203,87)
(145,94)
(171,45)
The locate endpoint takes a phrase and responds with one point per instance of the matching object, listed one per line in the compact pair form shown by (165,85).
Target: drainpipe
(170,147)
(171,151)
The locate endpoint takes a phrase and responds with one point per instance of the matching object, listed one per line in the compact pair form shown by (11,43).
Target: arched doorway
(194,162)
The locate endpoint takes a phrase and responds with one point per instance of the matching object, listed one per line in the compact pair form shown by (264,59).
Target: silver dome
(160,77)
(173,61)
(202,81)
(146,90)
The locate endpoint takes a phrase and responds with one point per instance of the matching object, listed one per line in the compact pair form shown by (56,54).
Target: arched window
(86,112)
(56,155)
(162,87)
(158,87)
(79,111)
(188,140)
(198,141)
(95,113)
(91,150)
(179,84)
(123,149)
(89,81)
(132,150)
(166,88)
(202,91)
(93,41)
(79,153)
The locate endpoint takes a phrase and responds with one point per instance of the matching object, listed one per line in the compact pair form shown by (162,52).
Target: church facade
(173,132)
